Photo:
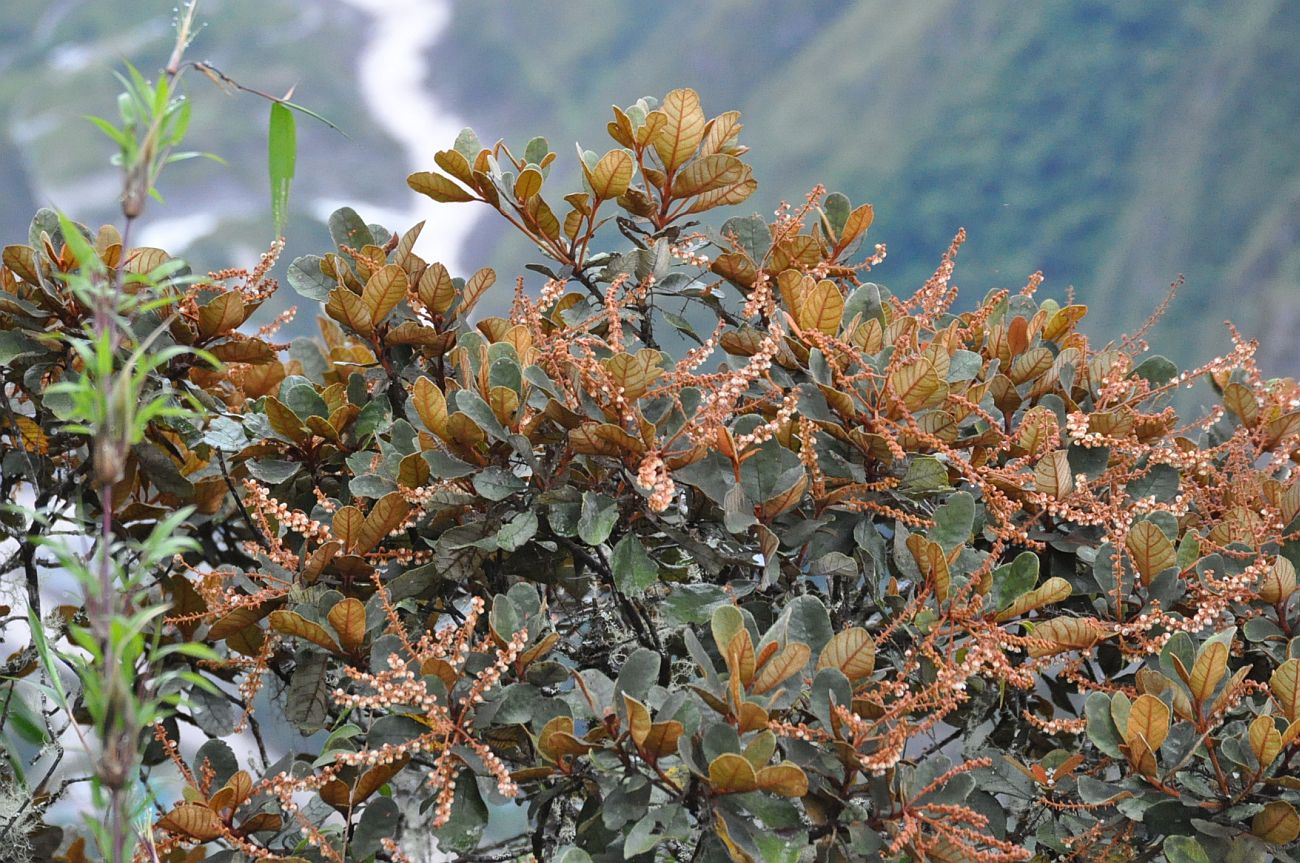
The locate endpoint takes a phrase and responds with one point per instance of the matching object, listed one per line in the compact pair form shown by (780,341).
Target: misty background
(1112,145)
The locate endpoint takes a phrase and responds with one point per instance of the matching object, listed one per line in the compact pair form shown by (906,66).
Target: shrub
(709,549)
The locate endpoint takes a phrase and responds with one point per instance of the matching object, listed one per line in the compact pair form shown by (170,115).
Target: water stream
(393,78)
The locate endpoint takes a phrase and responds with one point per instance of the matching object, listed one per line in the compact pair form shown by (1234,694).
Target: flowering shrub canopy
(710,549)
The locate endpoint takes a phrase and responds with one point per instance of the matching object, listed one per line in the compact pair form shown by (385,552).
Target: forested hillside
(1111,145)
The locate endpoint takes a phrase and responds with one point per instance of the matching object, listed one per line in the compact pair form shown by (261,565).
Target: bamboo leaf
(282,155)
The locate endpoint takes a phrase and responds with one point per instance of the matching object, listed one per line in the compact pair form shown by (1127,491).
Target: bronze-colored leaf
(221,314)
(662,738)
(475,286)
(375,778)
(612,175)
(1265,740)
(1285,684)
(388,514)
(821,308)
(293,623)
(431,405)
(438,187)
(786,779)
(603,439)
(348,617)
(638,719)
(634,373)
(1148,717)
(1211,665)
(1060,634)
(683,128)
(528,183)
(740,656)
(1279,583)
(707,174)
(852,651)
(236,790)
(780,668)
(855,226)
(1150,549)
(347,525)
(918,385)
(283,420)
(237,619)
(1052,475)
(933,564)
(193,820)
(347,308)
(1053,590)
(1277,823)
(384,290)
(730,773)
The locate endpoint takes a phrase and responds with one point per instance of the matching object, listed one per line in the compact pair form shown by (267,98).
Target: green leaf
(378,822)
(1184,849)
(518,531)
(469,816)
(495,484)
(634,569)
(640,671)
(305,277)
(347,229)
(307,702)
(282,155)
(1156,371)
(1013,579)
(1101,725)
(954,521)
(598,517)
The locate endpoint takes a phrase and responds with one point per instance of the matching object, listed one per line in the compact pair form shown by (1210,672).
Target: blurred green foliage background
(1112,145)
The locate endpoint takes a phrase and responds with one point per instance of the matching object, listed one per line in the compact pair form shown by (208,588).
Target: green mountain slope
(1112,145)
